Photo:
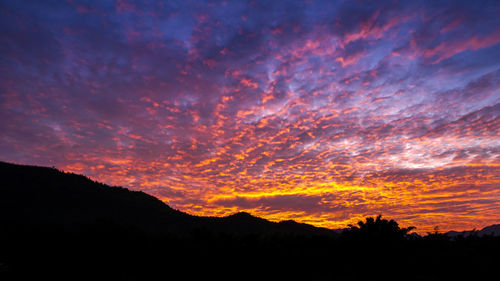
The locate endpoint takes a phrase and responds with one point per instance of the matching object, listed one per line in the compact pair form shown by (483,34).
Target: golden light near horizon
(315,111)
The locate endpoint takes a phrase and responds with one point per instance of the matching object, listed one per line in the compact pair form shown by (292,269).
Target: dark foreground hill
(33,196)
(64,226)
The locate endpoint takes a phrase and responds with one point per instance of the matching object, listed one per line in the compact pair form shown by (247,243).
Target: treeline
(62,226)
(376,249)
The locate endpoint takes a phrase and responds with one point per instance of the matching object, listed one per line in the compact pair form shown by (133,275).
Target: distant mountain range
(34,195)
(489,230)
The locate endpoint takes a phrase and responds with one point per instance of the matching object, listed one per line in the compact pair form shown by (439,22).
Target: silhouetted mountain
(37,195)
(56,225)
(493,230)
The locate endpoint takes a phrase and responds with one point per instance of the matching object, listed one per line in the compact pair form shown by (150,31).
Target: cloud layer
(309,110)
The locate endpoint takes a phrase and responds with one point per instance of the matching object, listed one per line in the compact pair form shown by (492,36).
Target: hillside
(63,226)
(39,195)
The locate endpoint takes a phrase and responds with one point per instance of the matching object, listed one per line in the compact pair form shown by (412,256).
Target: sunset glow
(323,112)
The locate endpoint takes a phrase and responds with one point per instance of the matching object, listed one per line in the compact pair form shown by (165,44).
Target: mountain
(493,230)
(34,195)
(62,226)
(37,195)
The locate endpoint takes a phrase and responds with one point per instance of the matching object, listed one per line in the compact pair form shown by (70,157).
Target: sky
(323,112)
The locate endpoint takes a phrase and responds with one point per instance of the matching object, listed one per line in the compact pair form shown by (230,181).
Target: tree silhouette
(379,228)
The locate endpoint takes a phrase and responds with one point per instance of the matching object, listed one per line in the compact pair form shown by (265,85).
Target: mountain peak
(241,215)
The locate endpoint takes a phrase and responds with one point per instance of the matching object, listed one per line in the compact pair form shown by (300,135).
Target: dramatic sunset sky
(319,111)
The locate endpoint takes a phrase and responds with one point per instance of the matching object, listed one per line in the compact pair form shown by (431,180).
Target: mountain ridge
(166,219)
(51,195)
(493,230)
(64,226)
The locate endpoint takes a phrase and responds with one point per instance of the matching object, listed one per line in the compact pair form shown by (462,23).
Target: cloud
(316,111)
